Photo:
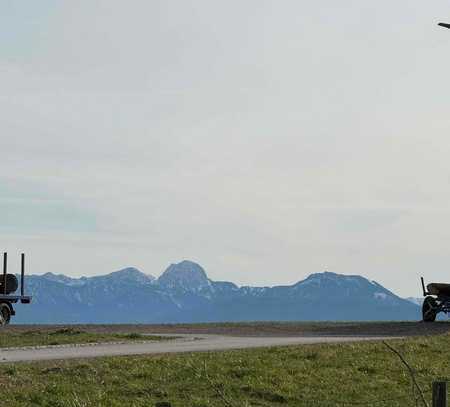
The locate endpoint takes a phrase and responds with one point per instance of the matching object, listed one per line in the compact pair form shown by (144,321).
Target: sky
(265,140)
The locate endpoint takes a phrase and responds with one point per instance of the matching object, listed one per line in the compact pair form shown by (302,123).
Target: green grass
(314,375)
(63,336)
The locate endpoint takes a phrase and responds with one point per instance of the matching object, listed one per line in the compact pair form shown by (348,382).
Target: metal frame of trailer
(8,299)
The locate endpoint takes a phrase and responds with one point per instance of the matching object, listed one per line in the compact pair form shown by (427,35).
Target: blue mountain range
(185,294)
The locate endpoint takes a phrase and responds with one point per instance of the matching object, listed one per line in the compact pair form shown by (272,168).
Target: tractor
(437,300)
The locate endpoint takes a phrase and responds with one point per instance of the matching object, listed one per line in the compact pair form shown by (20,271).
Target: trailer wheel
(429,309)
(5,314)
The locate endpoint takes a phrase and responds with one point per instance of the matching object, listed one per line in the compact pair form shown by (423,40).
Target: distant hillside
(184,293)
(415,300)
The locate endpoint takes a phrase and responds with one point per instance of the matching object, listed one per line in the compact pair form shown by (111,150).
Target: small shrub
(133,335)
(11,371)
(66,331)
(367,370)
(312,356)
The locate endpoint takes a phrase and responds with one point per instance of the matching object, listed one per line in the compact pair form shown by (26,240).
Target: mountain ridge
(184,293)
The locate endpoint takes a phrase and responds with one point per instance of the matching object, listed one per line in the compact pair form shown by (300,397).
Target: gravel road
(183,343)
(218,336)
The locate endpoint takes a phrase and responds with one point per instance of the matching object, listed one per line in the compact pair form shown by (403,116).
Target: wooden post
(440,394)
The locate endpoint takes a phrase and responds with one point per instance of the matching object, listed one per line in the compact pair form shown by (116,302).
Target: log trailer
(8,287)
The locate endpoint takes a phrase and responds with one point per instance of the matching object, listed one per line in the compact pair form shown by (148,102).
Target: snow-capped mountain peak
(61,278)
(131,274)
(186,275)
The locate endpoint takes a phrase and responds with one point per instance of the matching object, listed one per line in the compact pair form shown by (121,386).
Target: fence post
(440,394)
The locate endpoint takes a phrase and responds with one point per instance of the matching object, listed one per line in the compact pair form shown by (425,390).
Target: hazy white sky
(264,139)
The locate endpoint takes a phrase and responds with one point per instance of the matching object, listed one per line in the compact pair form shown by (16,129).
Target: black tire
(429,309)
(12,284)
(5,314)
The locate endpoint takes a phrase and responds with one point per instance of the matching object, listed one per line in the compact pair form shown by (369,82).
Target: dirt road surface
(181,344)
(219,336)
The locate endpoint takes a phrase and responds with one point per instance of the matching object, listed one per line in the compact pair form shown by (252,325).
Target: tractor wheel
(429,309)
(5,314)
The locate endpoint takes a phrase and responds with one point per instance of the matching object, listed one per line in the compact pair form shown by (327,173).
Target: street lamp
(444,25)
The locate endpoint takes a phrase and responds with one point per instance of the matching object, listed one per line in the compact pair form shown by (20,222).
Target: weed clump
(133,335)
(66,331)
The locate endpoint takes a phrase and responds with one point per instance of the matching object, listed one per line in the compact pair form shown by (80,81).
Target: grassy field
(266,328)
(62,336)
(313,375)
